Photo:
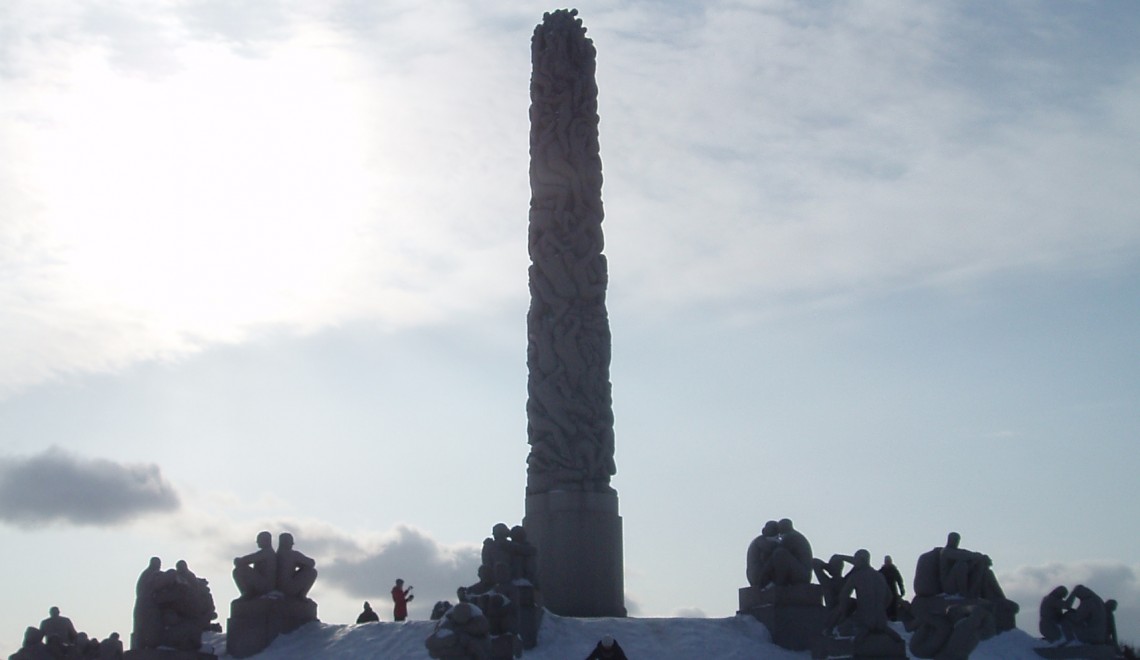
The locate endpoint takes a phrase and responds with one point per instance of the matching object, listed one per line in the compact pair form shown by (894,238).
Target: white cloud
(1027,585)
(193,176)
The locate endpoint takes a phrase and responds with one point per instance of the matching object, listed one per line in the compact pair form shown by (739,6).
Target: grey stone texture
(273,600)
(571,510)
(462,634)
(792,614)
(255,623)
(172,608)
(569,409)
(578,535)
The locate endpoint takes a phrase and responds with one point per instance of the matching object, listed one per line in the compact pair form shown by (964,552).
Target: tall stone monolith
(571,509)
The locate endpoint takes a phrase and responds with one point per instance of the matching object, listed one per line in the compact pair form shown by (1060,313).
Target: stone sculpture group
(498,616)
(1091,622)
(57,639)
(274,588)
(957,600)
(172,608)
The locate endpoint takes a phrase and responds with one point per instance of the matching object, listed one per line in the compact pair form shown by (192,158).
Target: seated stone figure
(1052,622)
(760,550)
(255,574)
(790,562)
(830,576)
(58,627)
(944,633)
(33,647)
(462,633)
(866,613)
(962,571)
(111,648)
(296,573)
(1088,620)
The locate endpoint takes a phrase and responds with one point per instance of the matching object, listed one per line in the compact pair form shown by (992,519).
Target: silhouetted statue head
(887,560)
(862,558)
(54,611)
(155,563)
(518,534)
(953,539)
(771,528)
(1110,604)
(1059,592)
(285,541)
(181,566)
(264,540)
(785,525)
(367,607)
(500,531)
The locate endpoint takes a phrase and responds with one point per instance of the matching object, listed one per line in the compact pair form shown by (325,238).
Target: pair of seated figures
(284,573)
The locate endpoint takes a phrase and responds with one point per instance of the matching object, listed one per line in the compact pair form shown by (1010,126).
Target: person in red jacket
(401,597)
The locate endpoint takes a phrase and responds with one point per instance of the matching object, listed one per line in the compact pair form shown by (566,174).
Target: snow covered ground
(734,638)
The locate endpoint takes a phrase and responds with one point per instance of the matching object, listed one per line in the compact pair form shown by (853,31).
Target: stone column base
(578,537)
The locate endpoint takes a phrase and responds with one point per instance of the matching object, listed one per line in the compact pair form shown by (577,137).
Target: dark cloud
(58,487)
(434,569)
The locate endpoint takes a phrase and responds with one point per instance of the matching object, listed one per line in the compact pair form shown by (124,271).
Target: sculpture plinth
(254,624)
(571,510)
(581,532)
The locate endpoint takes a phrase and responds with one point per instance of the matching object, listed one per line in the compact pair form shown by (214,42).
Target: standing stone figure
(569,409)
(571,509)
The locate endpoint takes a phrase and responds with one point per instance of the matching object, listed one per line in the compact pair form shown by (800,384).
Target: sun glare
(225,194)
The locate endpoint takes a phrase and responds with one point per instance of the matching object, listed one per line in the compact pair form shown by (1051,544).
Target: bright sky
(873,267)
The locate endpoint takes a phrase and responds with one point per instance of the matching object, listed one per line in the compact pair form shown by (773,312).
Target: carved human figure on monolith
(33,646)
(256,573)
(296,573)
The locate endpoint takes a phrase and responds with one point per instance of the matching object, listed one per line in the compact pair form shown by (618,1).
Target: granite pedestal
(578,537)
(794,615)
(254,624)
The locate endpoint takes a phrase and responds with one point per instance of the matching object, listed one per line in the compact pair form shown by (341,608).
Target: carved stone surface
(792,614)
(569,409)
(172,608)
(947,627)
(462,633)
(259,616)
(951,570)
(578,536)
(569,406)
